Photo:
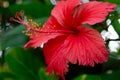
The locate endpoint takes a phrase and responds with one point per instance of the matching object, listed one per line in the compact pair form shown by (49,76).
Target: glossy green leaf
(112,1)
(87,77)
(111,75)
(34,10)
(114,17)
(4,75)
(45,76)
(24,64)
(113,62)
(116,26)
(13,37)
(118,9)
(41,21)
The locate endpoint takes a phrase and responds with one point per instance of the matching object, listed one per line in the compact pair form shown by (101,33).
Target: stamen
(19,17)
(33,27)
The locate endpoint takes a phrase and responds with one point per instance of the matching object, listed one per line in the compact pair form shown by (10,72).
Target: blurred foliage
(13,37)
(26,65)
(19,64)
(112,1)
(32,9)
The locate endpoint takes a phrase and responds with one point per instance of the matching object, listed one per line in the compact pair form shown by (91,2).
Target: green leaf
(114,22)
(87,77)
(118,9)
(113,62)
(23,63)
(45,76)
(34,10)
(41,21)
(116,26)
(13,37)
(112,1)
(111,75)
(7,75)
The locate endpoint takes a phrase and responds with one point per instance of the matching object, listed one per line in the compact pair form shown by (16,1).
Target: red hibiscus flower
(66,39)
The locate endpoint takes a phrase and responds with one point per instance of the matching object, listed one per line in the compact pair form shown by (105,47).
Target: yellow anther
(30,20)
(28,35)
(43,25)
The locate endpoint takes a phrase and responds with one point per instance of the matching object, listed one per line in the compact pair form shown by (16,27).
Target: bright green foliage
(22,63)
(112,1)
(13,37)
(26,65)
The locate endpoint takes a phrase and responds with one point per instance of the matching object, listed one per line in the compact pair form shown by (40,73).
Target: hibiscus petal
(38,38)
(63,11)
(87,48)
(54,56)
(93,12)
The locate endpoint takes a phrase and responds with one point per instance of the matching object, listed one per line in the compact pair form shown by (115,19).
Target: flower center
(75,31)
